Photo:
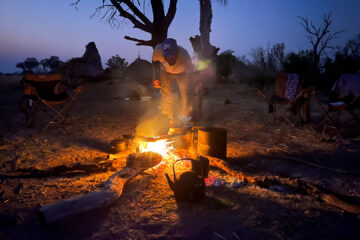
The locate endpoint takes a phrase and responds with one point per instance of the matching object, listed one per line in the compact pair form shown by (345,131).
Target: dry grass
(147,209)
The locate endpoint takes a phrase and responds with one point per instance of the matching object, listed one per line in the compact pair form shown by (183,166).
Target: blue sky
(42,28)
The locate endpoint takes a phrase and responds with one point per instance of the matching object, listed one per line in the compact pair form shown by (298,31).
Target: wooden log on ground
(64,171)
(94,200)
(313,190)
(111,191)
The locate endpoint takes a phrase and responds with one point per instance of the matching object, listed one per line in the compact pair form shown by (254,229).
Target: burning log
(111,191)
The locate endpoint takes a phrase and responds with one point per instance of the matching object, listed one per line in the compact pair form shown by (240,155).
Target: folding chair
(343,98)
(289,96)
(47,92)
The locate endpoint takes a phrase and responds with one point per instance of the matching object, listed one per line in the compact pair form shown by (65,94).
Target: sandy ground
(147,209)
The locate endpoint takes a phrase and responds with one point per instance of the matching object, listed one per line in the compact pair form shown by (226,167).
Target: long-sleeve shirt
(183,61)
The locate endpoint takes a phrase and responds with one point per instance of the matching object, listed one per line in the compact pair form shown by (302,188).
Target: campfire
(164,148)
(189,143)
(181,157)
(189,186)
(184,158)
(177,155)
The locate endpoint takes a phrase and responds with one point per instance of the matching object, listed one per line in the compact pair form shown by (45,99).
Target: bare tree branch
(325,45)
(75,4)
(136,11)
(129,10)
(171,12)
(125,14)
(139,41)
(319,37)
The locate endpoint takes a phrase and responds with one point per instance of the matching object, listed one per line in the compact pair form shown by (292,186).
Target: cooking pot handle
(182,159)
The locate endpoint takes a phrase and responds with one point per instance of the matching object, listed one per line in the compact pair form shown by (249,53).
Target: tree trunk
(159,33)
(201,44)
(158,28)
(205,27)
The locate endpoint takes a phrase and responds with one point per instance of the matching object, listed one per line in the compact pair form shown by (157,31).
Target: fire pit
(192,169)
(155,155)
(181,143)
(199,140)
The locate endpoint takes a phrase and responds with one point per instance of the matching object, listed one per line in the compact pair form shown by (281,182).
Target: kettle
(190,186)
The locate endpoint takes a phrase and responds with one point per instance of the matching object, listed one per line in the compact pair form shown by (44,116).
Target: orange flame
(162,147)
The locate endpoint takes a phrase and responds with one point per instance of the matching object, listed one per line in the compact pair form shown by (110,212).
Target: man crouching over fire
(171,70)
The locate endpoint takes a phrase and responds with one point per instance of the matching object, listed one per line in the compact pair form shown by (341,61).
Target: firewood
(112,190)
(62,171)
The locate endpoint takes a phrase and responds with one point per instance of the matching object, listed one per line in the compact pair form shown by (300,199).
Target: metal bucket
(212,142)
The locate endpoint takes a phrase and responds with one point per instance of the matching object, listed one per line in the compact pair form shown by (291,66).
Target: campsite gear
(119,145)
(205,141)
(347,84)
(291,86)
(190,186)
(181,132)
(343,98)
(212,142)
(48,92)
(291,96)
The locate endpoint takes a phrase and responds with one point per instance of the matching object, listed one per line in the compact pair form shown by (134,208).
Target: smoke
(153,123)
(152,126)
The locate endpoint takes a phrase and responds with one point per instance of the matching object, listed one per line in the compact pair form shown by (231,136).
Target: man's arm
(156,74)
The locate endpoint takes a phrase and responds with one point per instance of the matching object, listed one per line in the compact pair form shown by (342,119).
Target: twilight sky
(44,28)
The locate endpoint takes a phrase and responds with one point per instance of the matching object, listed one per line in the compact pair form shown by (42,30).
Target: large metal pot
(212,142)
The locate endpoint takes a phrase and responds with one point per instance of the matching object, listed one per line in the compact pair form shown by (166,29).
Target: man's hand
(156,84)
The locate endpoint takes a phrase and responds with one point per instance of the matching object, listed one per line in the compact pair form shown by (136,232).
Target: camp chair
(47,93)
(289,96)
(344,98)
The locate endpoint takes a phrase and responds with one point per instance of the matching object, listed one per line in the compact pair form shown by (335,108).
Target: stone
(86,67)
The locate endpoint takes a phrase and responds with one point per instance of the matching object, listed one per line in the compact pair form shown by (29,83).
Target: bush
(225,63)
(262,80)
(116,62)
(32,65)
